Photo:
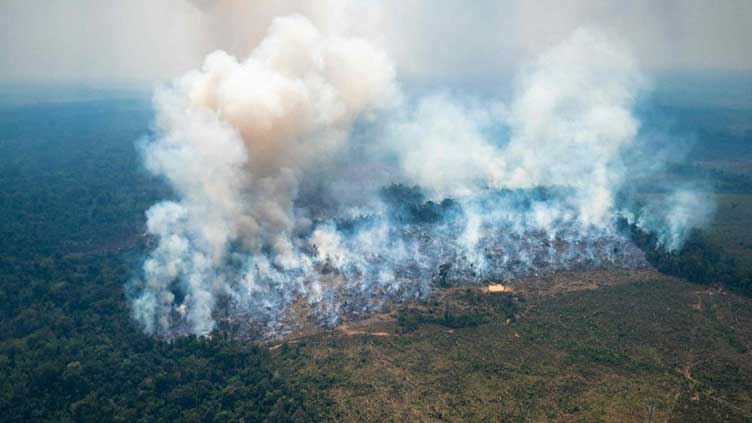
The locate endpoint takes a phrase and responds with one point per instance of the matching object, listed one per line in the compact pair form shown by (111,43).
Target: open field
(628,346)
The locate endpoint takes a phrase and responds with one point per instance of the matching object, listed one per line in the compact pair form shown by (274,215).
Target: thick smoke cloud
(569,121)
(236,137)
(281,164)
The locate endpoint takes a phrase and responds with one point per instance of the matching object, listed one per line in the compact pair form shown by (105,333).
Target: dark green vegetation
(698,260)
(409,205)
(720,254)
(72,197)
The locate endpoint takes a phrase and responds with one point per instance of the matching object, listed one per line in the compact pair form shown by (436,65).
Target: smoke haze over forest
(344,153)
(144,40)
(304,169)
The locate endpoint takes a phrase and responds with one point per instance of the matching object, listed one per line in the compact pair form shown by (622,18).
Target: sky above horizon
(429,41)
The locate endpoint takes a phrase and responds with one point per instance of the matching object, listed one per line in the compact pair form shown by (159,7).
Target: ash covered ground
(379,262)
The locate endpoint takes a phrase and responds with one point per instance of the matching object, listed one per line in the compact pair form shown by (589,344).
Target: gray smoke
(283,163)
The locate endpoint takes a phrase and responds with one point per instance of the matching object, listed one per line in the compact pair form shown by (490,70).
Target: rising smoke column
(234,139)
(260,153)
(569,122)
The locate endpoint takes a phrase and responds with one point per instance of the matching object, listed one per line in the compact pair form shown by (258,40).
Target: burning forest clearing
(438,263)
(306,177)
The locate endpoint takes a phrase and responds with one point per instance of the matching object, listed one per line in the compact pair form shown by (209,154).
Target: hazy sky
(145,40)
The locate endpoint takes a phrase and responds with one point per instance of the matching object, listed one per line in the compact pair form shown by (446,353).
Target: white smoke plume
(675,215)
(235,138)
(569,122)
(279,161)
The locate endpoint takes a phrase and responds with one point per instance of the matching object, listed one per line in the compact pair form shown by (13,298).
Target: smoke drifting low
(304,175)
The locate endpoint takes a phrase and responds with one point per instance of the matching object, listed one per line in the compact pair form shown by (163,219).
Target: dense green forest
(698,260)
(72,196)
